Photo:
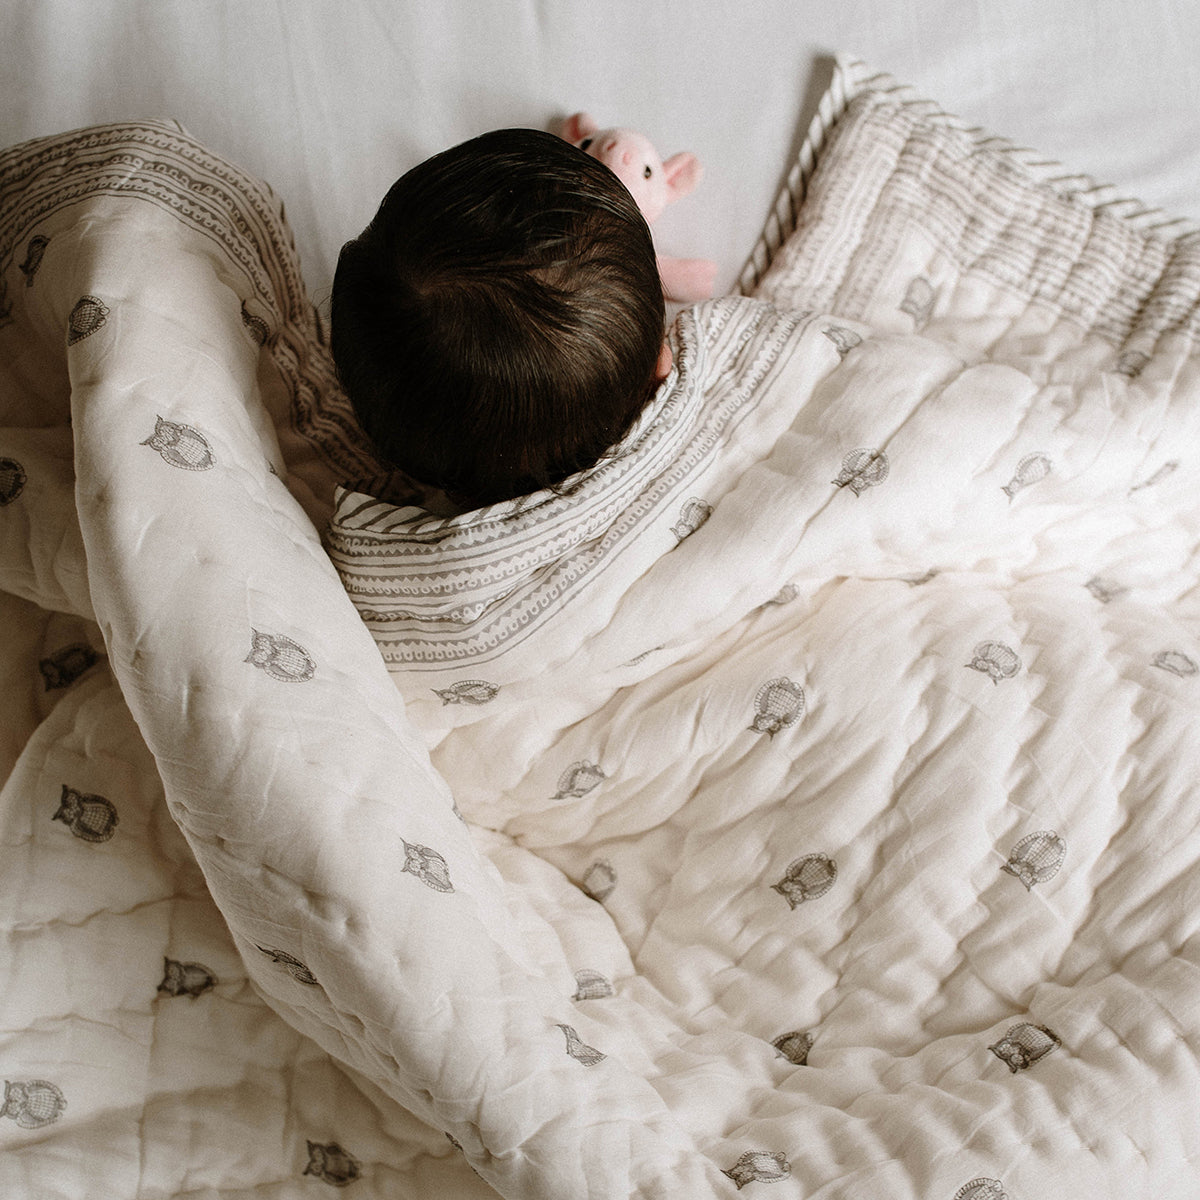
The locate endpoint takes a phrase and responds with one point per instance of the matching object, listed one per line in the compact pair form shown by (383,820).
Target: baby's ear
(684,171)
(577,126)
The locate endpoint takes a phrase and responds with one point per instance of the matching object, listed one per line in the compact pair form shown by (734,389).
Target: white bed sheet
(329,100)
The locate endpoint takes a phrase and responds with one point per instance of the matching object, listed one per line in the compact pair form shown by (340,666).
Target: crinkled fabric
(858,687)
(801,801)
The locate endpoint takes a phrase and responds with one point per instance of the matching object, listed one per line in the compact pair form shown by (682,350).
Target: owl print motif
(1164,472)
(428,866)
(88,315)
(758,1166)
(926,576)
(1036,858)
(255,326)
(292,965)
(1105,590)
(843,339)
(591,985)
(331,1164)
(919,300)
(1131,363)
(995,660)
(32,1103)
(186,979)
(1030,470)
(785,595)
(638,659)
(280,657)
(693,514)
(12,480)
(33,257)
(579,779)
(807,878)
(779,704)
(599,880)
(180,445)
(65,666)
(1175,662)
(469,692)
(982,1189)
(794,1046)
(579,1049)
(89,817)
(861,469)
(1024,1044)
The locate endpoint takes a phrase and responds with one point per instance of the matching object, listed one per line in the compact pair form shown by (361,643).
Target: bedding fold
(282,746)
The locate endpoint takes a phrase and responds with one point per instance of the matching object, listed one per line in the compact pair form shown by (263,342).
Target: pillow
(897,214)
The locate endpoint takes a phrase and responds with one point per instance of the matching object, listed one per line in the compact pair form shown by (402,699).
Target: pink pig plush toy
(654,184)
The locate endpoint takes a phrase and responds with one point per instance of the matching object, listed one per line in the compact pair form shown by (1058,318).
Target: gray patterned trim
(44,183)
(851,81)
(448,591)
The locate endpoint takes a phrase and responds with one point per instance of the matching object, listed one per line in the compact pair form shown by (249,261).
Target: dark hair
(497,324)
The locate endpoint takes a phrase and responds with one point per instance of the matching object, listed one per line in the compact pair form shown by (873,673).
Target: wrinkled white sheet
(330,101)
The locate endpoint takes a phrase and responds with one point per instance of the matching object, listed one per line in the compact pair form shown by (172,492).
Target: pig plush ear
(578,126)
(684,171)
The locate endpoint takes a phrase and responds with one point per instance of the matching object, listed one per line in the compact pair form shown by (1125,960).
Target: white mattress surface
(330,101)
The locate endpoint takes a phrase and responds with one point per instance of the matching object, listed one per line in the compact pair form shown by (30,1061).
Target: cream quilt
(805,801)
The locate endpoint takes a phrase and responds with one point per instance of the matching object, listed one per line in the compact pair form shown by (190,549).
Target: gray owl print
(32,1103)
(1131,363)
(758,1166)
(794,1046)
(844,339)
(428,866)
(89,817)
(88,315)
(186,979)
(1176,663)
(1164,472)
(579,1049)
(293,966)
(693,514)
(1030,470)
(807,879)
(591,985)
(1105,590)
(65,666)
(180,445)
(599,880)
(331,1164)
(918,300)
(468,691)
(861,469)
(256,327)
(578,779)
(995,660)
(12,480)
(33,257)
(982,1189)
(1036,858)
(779,704)
(280,657)
(1024,1044)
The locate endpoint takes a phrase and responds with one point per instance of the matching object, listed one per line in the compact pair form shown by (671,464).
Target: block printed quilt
(805,801)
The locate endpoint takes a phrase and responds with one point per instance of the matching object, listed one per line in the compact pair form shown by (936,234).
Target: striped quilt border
(851,78)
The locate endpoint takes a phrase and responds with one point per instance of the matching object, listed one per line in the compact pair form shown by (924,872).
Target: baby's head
(499,323)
